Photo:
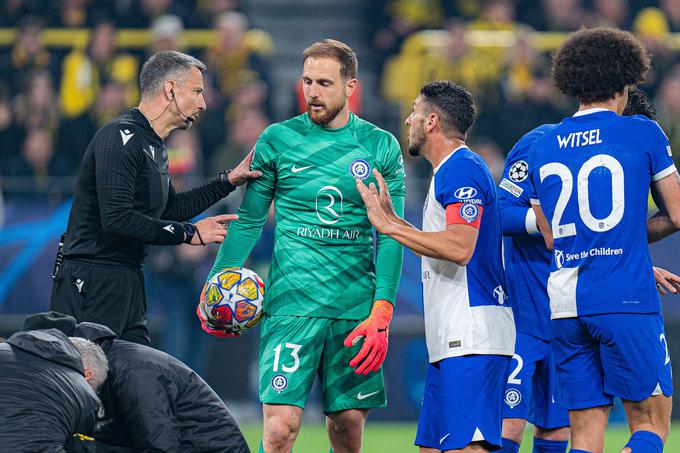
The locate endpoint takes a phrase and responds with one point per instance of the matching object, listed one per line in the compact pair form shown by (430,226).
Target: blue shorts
(462,402)
(531,385)
(599,357)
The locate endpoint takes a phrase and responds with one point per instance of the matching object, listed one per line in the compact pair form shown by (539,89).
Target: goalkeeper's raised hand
(375,332)
(206,326)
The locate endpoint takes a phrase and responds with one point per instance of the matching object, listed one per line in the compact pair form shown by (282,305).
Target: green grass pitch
(398,438)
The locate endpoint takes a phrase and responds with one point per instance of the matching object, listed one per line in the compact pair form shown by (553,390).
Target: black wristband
(224,179)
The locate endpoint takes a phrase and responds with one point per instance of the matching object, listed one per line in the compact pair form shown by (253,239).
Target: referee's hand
(212,229)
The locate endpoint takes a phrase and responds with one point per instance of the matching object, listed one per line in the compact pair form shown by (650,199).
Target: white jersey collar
(589,111)
(448,157)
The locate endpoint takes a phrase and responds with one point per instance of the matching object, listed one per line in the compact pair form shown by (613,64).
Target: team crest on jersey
(469,212)
(359,168)
(279,382)
(519,171)
(513,397)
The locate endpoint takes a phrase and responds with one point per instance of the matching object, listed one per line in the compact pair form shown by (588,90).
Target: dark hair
(593,65)
(453,103)
(164,65)
(639,104)
(338,51)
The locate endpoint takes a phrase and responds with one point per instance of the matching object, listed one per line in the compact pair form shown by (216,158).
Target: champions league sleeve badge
(359,168)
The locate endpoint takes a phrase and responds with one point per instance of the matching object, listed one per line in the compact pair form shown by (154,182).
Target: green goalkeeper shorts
(294,348)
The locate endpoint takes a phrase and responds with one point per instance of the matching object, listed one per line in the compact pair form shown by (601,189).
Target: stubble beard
(327,115)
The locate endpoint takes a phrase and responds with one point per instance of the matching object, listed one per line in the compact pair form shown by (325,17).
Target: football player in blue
(531,382)
(469,327)
(590,176)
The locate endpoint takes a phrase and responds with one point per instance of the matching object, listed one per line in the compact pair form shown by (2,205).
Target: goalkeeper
(325,292)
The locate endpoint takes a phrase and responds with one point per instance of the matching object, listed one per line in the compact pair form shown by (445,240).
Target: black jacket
(124,200)
(154,402)
(44,397)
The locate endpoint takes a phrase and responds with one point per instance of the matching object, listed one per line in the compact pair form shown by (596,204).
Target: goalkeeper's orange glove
(375,331)
(206,326)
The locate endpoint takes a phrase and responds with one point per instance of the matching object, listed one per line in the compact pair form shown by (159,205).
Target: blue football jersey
(465,307)
(591,175)
(526,259)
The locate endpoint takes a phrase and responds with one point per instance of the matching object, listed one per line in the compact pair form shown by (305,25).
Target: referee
(124,201)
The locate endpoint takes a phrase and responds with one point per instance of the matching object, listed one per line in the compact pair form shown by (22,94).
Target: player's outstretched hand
(206,326)
(666,282)
(374,210)
(375,331)
(212,229)
(242,172)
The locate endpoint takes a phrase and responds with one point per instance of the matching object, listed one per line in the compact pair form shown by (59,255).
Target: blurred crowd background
(68,67)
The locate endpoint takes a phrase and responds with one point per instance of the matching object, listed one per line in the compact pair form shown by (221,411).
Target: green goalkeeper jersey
(323,263)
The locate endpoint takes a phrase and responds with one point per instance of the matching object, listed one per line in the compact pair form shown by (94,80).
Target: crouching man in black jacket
(151,401)
(47,390)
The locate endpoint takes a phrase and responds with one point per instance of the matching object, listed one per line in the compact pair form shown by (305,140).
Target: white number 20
(565,175)
(293,353)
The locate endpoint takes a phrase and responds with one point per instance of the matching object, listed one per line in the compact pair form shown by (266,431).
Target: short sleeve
(462,181)
(660,154)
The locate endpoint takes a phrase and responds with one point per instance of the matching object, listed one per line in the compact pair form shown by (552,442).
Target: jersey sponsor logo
(499,294)
(363,396)
(279,382)
(559,259)
(513,397)
(668,150)
(360,169)
(562,258)
(511,187)
(126,135)
(469,212)
(441,441)
(169,228)
(299,169)
(464,193)
(578,139)
(519,171)
(329,205)
(328,233)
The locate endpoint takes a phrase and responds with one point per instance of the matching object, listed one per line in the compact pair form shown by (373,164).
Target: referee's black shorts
(111,295)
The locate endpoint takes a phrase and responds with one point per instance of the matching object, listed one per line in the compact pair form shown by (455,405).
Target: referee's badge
(359,168)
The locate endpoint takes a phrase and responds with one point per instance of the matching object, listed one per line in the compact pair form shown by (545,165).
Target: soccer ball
(233,300)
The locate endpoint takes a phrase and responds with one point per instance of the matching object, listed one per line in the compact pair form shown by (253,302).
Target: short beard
(416,146)
(324,118)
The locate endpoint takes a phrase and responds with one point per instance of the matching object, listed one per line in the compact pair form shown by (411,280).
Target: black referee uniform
(124,201)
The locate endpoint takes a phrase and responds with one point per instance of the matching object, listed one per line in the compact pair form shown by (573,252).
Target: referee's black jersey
(124,199)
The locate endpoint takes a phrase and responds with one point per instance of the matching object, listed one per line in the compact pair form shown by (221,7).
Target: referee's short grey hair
(165,65)
(94,359)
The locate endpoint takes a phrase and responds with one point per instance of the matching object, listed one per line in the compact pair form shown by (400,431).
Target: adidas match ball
(233,300)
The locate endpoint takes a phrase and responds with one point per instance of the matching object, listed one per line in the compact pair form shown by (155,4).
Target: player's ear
(431,122)
(350,86)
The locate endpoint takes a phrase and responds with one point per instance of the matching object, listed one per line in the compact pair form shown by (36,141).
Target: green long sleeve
(388,261)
